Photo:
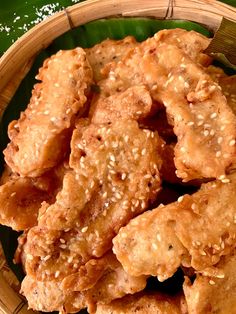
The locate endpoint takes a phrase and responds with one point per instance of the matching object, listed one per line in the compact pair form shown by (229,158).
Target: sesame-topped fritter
(107,51)
(196,231)
(99,281)
(114,177)
(40,138)
(203,122)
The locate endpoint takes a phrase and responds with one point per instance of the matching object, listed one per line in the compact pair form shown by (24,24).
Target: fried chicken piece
(194,103)
(21,198)
(228,85)
(40,138)
(99,281)
(107,51)
(194,232)
(145,303)
(114,177)
(134,103)
(215,292)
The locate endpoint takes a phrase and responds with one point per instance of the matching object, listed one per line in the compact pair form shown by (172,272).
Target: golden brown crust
(134,103)
(114,176)
(194,103)
(214,291)
(145,303)
(99,281)
(108,51)
(194,232)
(40,138)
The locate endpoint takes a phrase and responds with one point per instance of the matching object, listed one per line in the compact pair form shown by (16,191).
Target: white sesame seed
(213,115)
(211,282)
(220,140)
(57,273)
(154,246)
(123,176)
(225,181)
(200,117)
(206,133)
(63,246)
(83,230)
(190,123)
(180,199)
(232,143)
(143,152)
(218,154)
(222,177)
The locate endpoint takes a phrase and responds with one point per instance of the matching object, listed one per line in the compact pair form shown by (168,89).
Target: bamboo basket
(17,61)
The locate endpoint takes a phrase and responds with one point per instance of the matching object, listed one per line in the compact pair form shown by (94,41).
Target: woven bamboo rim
(16,62)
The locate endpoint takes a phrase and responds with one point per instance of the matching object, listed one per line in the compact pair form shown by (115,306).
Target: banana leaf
(84,36)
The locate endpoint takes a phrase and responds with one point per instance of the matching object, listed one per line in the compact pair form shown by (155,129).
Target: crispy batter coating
(20,202)
(115,177)
(107,51)
(115,169)
(215,292)
(191,42)
(194,103)
(40,138)
(21,198)
(194,232)
(140,65)
(99,281)
(134,103)
(145,303)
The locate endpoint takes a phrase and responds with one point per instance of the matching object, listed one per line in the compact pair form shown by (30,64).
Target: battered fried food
(157,113)
(99,281)
(40,138)
(213,293)
(21,198)
(115,177)
(194,103)
(196,231)
(134,103)
(107,51)
(149,303)
(20,202)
